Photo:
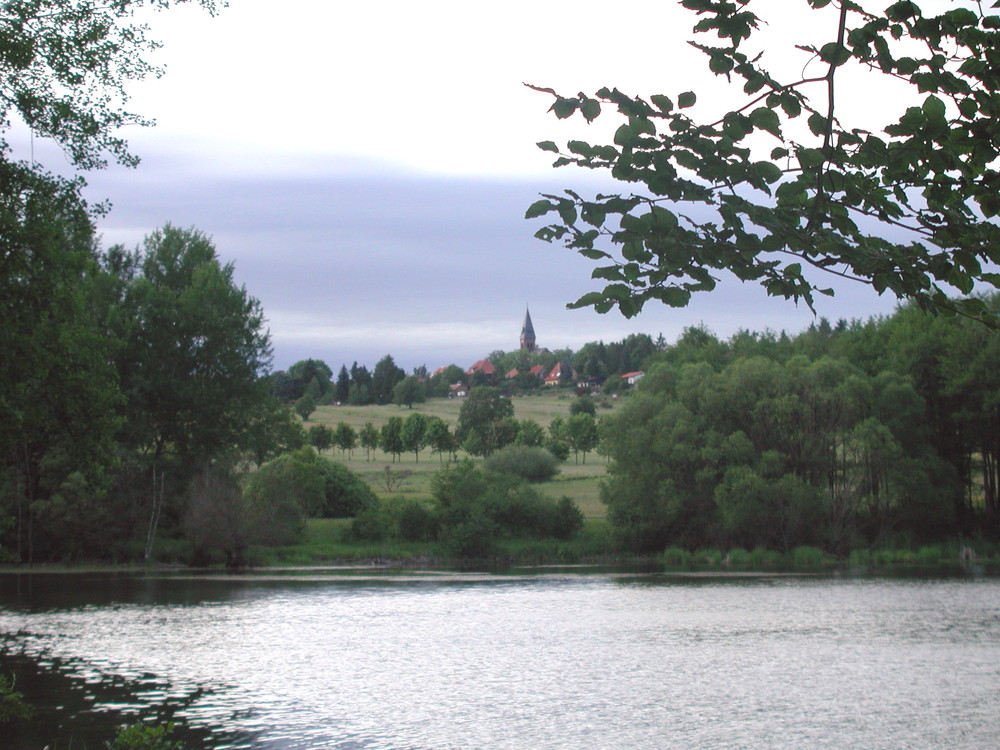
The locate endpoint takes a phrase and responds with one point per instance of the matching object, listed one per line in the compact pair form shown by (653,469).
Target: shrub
(930,555)
(583,405)
(765,558)
(415,522)
(859,558)
(12,705)
(808,557)
(676,557)
(472,537)
(467,498)
(738,558)
(320,487)
(370,525)
(140,736)
(530,463)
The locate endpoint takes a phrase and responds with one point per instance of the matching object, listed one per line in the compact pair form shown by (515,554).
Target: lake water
(547,660)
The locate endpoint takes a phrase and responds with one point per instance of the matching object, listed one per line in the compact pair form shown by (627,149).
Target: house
(458,390)
(632,377)
(561,374)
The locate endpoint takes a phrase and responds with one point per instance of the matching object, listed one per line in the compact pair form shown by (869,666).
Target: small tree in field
(345,437)
(369,438)
(320,437)
(391,437)
(305,406)
(414,434)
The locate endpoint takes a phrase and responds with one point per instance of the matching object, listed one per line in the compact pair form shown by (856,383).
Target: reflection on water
(550,661)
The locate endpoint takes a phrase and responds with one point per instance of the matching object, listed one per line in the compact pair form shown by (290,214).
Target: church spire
(527,333)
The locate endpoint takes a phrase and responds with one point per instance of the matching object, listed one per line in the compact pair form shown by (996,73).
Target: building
(527,333)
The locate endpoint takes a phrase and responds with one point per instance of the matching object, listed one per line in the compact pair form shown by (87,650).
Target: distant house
(482,372)
(632,377)
(512,374)
(562,373)
(457,391)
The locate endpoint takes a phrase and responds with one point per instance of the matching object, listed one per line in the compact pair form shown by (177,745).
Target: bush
(808,557)
(415,522)
(762,558)
(532,464)
(738,558)
(500,504)
(471,538)
(12,705)
(371,525)
(320,487)
(141,736)
(675,557)
(583,405)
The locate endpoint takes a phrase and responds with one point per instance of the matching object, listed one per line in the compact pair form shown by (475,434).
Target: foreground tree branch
(910,210)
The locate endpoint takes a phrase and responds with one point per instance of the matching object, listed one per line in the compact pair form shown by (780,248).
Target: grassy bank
(327,543)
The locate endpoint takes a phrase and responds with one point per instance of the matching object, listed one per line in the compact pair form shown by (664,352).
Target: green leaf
(563,108)
(810,157)
(790,103)
(662,103)
(834,54)
(548,146)
(768,172)
(590,109)
(817,124)
(623,136)
(672,296)
(934,107)
(765,118)
(538,208)
(590,298)
(567,212)
(687,99)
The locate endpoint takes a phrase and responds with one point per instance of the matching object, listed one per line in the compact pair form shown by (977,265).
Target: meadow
(410,475)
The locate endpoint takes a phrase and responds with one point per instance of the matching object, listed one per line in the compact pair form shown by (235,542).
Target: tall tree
(385,376)
(193,354)
(343,386)
(789,188)
(58,392)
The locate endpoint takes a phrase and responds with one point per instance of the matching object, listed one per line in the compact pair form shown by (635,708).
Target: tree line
(486,424)
(882,432)
(310,382)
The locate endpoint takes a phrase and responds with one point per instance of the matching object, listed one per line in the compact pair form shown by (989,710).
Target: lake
(547,659)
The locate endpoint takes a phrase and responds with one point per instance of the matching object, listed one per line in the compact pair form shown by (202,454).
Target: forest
(856,435)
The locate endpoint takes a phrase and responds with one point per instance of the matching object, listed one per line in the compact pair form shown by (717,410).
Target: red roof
(484,366)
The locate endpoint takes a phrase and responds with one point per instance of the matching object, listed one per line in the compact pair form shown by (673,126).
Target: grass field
(580,482)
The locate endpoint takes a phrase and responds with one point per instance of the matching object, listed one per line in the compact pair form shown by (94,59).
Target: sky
(366,168)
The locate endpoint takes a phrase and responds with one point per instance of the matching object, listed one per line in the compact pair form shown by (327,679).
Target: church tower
(527,333)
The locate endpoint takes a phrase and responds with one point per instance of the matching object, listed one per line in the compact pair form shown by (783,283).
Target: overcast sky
(367,166)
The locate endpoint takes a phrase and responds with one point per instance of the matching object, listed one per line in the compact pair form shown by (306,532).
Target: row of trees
(858,434)
(486,424)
